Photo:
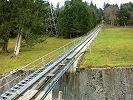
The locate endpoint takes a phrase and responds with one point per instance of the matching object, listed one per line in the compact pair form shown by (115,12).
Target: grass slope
(28,55)
(113,47)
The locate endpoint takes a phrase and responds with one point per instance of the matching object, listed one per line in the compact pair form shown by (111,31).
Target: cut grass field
(113,47)
(27,55)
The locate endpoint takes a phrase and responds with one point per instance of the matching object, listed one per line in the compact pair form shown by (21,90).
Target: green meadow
(112,47)
(27,55)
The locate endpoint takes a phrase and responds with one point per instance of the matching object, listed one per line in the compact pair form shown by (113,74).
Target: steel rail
(66,67)
(33,78)
(57,71)
(44,81)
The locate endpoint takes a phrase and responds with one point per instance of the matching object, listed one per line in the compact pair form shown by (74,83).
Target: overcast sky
(99,3)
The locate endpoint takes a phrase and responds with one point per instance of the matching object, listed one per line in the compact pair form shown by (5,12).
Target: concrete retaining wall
(97,84)
(88,84)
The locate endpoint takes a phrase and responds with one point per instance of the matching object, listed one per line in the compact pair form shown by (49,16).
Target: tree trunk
(4,47)
(18,44)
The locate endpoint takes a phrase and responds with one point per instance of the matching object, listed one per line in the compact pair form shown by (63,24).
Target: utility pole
(52,15)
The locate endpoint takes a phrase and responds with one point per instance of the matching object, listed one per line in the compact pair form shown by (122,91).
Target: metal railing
(51,85)
(37,75)
(13,78)
(67,49)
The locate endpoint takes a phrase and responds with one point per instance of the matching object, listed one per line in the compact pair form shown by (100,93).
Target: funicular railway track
(41,82)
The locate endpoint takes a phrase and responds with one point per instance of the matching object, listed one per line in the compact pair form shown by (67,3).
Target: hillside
(27,55)
(113,47)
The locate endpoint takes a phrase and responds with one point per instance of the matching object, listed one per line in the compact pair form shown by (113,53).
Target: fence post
(60,95)
(90,49)
(43,62)
(64,49)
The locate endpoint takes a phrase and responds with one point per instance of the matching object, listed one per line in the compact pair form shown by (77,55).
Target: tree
(98,13)
(110,14)
(5,25)
(26,19)
(126,14)
(123,16)
(75,19)
(106,5)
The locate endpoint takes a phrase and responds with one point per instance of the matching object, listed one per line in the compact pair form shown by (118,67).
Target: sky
(99,3)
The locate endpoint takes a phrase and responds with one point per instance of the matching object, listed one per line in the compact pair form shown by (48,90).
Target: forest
(118,16)
(32,21)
